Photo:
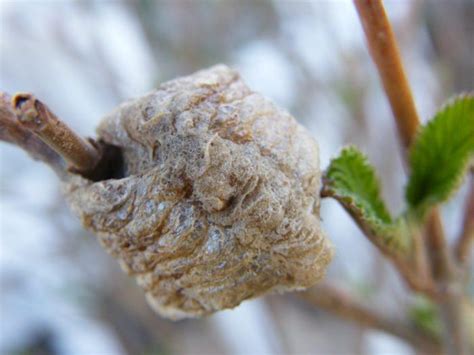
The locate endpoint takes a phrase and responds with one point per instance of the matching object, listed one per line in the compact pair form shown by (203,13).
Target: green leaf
(441,154)
(352,181)
(351,176)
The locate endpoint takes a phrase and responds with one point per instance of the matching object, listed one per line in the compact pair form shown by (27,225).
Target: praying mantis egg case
(219,199)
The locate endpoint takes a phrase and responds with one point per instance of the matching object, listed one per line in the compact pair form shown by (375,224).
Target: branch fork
(430,267)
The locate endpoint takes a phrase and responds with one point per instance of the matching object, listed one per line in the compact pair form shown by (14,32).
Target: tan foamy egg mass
(219,199)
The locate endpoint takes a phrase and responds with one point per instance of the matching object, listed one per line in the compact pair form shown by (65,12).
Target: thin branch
(385,53)
(421,260)
(441,263)
(450,288)
(341,303)
(406,257)
(13,132)
(455,335)
(386,247)
(463,247)
(35,116)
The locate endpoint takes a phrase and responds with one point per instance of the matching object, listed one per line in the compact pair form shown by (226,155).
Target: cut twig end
(80,154)
(30,112)
(28,123)
(12,131)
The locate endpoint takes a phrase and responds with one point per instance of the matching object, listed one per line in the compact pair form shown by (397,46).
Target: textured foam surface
(220,199)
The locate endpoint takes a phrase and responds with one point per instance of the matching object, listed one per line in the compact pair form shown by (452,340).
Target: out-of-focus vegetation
(61,294)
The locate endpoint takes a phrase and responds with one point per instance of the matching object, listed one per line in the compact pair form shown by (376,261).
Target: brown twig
(35,116)
(405,256)
(12,131)
(384,50)
(386,247)
(385,53)
(441,263)
(338,302)
(463,247)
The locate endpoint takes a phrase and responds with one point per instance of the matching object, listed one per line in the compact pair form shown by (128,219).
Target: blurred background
(60,293)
